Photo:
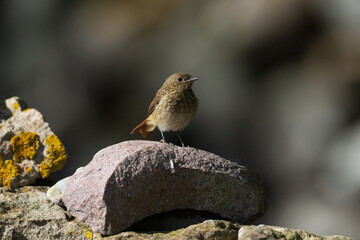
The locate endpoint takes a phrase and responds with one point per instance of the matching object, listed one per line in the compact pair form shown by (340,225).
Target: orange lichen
(29,169)
(16,105)
(56,156)
(88,234)
(25,146)
(8,171)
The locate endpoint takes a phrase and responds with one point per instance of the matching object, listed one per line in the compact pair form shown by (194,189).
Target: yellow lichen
(29,170)
(88,234)
(8,171)
(56,156)
(16,105)
(25,146)
(27,109)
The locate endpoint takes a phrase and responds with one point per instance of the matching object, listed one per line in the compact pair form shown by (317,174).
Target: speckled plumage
(173,107)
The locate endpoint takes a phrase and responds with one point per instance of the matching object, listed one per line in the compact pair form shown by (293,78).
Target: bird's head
(181,81)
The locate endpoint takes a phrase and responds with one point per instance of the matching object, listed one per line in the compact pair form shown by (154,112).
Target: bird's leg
(172,168)
(182,143)
(162,135)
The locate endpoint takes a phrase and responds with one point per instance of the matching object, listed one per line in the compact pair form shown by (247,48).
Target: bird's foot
(170,143)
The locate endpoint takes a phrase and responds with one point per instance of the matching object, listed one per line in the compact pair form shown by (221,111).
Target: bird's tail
(145,128)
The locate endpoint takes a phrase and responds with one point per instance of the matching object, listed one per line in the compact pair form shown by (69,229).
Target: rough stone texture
(127,182)
(209,229)
(26,214)
(29,150)
(272,232)
(167,221)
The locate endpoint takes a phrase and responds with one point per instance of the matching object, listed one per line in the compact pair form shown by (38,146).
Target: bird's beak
(192,79)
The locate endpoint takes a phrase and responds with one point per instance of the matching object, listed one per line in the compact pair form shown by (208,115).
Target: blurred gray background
(279,87)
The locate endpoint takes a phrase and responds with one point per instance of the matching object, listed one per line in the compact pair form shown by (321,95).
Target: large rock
(127,182)
(29,150)
(26,214)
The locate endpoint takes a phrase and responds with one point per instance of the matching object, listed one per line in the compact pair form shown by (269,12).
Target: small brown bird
(173,107)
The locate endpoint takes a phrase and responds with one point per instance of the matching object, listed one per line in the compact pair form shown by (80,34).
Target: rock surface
(29,150)
(127,182)
(273,232)
(26,214)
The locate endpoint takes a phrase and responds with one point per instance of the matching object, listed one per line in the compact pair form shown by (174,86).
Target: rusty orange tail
(145,128)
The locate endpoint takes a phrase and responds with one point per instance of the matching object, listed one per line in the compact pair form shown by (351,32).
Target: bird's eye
(179,79)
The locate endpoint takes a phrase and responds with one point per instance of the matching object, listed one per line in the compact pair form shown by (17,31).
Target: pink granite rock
(127,182)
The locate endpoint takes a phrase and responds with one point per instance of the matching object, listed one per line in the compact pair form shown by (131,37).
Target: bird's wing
(156,100)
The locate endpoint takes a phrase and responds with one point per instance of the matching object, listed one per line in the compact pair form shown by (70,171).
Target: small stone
(127,182)
(29,150)
(56,192)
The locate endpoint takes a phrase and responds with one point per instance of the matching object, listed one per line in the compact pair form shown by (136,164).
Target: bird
(173,107)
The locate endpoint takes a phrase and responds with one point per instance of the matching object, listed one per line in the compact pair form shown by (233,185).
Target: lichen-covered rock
(127,182)
(272,232)
(26,214)
(29,150)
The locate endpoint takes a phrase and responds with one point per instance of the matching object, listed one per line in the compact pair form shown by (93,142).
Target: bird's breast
(174,111)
